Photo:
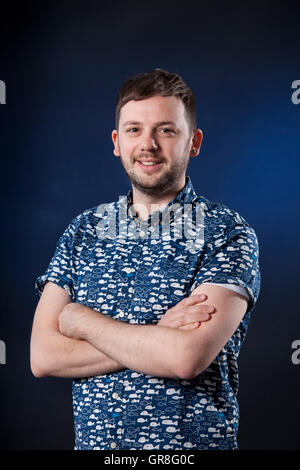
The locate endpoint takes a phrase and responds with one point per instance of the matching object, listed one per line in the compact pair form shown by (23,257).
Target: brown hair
(157,82)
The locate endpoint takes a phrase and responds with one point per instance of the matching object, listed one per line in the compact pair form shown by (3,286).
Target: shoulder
(219,218)
(224,226)
(220,212)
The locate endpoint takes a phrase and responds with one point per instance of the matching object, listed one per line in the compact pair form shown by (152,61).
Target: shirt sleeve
(238,289)
(60,269)
(232,259)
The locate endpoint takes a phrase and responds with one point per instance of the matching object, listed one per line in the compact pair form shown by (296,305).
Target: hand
(72,319)
(188,313)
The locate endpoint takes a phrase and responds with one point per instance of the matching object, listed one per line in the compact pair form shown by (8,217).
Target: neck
(145,204)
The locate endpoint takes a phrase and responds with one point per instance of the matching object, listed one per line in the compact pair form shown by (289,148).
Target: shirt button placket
(118,431)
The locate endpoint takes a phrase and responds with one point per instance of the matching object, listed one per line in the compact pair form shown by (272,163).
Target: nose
(148,143)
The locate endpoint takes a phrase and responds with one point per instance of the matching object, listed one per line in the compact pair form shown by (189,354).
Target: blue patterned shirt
(109,260)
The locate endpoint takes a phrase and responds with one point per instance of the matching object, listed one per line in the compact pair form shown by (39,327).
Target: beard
(155,184)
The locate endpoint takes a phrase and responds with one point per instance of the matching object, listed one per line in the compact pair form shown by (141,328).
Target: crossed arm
(71,340)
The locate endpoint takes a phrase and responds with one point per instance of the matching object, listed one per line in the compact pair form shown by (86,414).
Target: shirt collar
(185,196)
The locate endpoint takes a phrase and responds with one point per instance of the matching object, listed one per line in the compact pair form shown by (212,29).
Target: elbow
(38,365)
(37,369)
(190,368)
(188,371)
(38,373)
(189,364)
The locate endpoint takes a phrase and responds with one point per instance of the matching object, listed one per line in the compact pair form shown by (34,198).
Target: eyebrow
(156,124)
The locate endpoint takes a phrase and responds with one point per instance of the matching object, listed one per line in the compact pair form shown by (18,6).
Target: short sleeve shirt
(134,271)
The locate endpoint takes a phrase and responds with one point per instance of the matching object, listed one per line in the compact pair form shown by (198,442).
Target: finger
(193,299)
(195,317)
(197,313)
(188,315)
(190,326)
(202,308)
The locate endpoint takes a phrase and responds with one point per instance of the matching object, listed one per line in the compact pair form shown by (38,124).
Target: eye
(166,130)
(132,130)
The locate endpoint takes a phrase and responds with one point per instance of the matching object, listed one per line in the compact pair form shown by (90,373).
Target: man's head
(156,123)
(157,82)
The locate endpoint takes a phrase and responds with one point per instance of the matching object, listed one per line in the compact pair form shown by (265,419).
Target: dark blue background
(63,64)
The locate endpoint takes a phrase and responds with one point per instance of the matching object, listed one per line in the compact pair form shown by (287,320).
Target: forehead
(154,109)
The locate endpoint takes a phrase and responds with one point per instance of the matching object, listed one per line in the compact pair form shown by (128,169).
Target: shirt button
(142,234)
(115,395)
(113,445)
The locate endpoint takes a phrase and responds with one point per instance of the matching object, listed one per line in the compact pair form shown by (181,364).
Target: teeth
(149,163)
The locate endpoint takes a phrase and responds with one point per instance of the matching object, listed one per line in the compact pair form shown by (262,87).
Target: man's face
(154,143)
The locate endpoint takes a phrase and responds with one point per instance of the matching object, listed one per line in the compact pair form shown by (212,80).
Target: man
(149,320)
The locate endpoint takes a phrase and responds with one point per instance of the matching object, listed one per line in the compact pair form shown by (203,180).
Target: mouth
(149,165)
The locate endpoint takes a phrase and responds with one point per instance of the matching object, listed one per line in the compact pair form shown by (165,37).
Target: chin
(157,185)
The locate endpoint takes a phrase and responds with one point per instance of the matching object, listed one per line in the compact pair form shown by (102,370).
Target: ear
(114,136)
(196,142)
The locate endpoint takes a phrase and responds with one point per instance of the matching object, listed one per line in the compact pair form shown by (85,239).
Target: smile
(148,165)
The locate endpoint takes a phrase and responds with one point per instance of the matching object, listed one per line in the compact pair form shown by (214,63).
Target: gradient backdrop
(63,63)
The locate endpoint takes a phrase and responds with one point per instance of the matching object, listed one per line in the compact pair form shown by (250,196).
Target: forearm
(150,349)
(60,356)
